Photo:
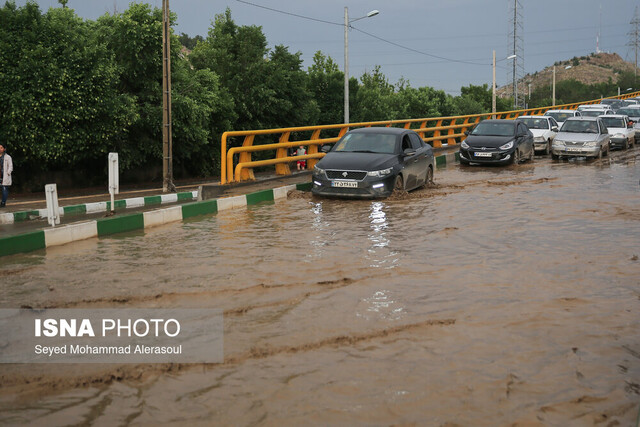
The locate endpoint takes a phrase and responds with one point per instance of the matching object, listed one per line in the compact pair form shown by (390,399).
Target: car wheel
(429,180)
(547,150)
(463,161)
(554,156)
(516,157)
(626,145)
(531,154)
(399,184)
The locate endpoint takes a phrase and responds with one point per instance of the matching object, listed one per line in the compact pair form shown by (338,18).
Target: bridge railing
(435,131)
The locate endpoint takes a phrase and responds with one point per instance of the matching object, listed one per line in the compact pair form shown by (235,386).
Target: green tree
(59,102)
(237,55)
(375,98)
(189,42)
(326,83)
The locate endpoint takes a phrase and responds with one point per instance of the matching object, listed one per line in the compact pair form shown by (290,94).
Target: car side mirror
(325,148)
(554,128)
(466,133)
(409,152)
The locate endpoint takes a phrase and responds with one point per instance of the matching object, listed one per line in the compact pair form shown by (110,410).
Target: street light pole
(553,95)
(346,57)
(346,65)
(493,88)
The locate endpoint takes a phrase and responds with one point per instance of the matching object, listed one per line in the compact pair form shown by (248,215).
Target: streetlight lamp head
(373,13)
(512,57)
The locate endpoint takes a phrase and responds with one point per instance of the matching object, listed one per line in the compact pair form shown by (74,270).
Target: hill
(591,69)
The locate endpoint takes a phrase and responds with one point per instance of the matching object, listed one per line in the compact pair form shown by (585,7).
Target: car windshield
(494,129)
(537,123)
(560,117)
(367,143)
(614,122)
(592,113)
(580,126)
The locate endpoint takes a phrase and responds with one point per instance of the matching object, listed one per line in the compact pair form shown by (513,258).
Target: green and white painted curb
(89,208)
(449,158)
(117,224)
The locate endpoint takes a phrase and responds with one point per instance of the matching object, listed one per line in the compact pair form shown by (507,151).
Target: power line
(290,14)
(418,51)
(364,32)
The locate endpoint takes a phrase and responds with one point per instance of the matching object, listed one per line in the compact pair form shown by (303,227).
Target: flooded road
(502,296)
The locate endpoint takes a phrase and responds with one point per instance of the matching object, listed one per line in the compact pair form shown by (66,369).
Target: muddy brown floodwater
(502,296)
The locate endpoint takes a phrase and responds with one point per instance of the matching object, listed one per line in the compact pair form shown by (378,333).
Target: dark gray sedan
(373,162)
(497,141)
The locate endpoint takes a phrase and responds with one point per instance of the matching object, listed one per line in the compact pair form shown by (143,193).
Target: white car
(544,130)
(561,115)
(633,112)
(596,112)
(583,107)
(621,130)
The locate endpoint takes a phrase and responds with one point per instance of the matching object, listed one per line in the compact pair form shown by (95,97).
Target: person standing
(6,167)
(302,164)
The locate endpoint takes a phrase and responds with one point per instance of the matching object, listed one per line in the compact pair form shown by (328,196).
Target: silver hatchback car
(581,137)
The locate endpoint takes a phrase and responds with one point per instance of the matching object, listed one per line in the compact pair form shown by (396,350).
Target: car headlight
(558,142)
(507,146)
(538,139)
(464,144)
(382,172)
(590,144)
(317,170)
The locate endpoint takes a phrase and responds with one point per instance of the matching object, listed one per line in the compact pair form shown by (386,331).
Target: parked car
(633,112)
(497,141)
(628,102)
(544,130)
(613,102)
(561,115)
(583,107)
(372,162)
(620,130)
(595,112)
(582,137)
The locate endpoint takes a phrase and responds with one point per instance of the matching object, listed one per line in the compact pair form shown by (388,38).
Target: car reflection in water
(373,162)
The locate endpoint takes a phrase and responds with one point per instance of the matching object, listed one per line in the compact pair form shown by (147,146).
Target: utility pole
(515,47)
(167,149)
(634,41)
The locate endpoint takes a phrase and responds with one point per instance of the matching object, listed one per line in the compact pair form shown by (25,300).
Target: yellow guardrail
(433,131)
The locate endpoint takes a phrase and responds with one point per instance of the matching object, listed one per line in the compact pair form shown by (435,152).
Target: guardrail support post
(283,168)
(244,157)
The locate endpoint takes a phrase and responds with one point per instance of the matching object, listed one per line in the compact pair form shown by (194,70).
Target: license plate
(574,149)
(480,154)
(349,184)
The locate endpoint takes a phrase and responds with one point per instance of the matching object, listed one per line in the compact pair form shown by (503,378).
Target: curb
(43,239)
(88,208)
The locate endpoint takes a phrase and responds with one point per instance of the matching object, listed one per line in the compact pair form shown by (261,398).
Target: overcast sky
(420,32)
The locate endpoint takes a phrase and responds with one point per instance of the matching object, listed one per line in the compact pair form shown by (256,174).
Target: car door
(554,128)
(422,161)
(410,162)
(524,140)
(603,138)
